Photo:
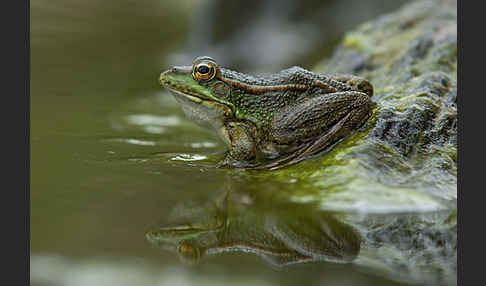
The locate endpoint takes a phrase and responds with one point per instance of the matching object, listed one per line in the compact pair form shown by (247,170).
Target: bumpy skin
(271,121)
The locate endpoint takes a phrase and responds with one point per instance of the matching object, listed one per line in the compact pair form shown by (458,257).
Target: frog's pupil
(203,69)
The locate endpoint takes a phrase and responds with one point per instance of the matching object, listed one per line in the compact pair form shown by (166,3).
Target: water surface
(114,163)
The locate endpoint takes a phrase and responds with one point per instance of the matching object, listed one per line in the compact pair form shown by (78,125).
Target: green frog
(281,233)
(270,121)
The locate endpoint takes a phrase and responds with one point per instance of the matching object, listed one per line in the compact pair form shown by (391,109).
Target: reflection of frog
(270,121)
(282,234)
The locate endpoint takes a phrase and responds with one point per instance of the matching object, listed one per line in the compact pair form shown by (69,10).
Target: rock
(410,56)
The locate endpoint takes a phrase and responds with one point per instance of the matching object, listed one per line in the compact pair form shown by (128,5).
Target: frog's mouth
(188,96)
(175,234)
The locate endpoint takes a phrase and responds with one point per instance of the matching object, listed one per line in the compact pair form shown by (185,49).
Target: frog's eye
(188,253)
(203,72)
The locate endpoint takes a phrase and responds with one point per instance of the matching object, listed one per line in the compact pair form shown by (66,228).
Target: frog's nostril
(163,79)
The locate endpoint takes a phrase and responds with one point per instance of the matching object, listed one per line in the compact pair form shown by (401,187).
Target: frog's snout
(163,79)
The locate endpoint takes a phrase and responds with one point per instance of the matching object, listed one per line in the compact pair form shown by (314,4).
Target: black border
(27,140)
(15,118)
(471,111)
(460,205)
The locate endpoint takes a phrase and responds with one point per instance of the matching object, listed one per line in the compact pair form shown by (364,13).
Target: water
(114,164)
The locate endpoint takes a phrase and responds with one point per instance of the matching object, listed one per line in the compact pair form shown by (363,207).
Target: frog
(282,234)
(270,121)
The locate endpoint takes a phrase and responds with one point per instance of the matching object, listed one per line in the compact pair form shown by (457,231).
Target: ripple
(135,141)
(154,129)
(203,145)
(188,157)
(153,120)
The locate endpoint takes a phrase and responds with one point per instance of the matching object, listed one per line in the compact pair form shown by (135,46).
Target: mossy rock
(411,58)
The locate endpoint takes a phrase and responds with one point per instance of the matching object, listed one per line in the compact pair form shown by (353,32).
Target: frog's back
(299,79)
(288,76)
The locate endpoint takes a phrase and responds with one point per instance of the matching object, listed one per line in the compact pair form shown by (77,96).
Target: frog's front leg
(242,146)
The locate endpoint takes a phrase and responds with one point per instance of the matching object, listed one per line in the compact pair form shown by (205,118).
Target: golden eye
(203,72)
(188,253)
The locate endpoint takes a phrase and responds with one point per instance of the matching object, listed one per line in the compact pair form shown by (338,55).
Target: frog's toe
(230,162)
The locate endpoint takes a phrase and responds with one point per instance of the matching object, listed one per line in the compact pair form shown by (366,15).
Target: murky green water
(124,192)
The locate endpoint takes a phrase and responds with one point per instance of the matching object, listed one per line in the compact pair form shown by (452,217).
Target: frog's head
(203,96)
(192,228)
(189,242)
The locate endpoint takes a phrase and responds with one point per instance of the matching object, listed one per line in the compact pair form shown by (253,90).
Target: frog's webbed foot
(230,162)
